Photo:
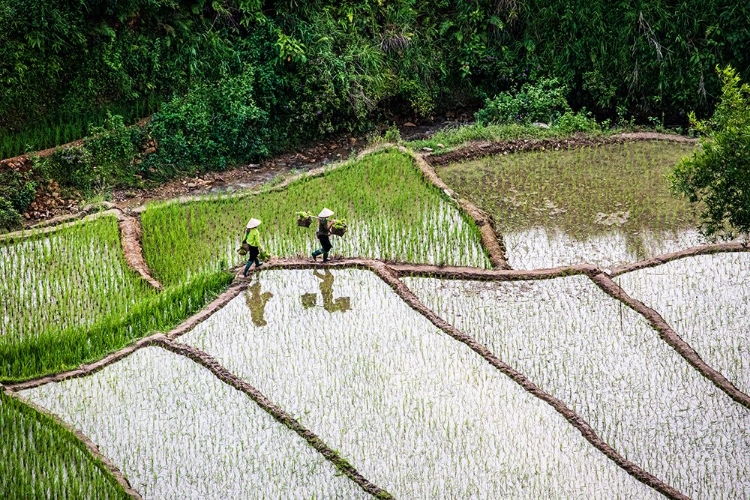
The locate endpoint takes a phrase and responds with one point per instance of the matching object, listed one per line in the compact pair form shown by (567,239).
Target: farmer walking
(252,238)
(323,234)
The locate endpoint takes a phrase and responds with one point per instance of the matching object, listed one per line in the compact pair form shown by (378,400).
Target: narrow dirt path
(277,413)
(688,252)
(90,446)
(130,239)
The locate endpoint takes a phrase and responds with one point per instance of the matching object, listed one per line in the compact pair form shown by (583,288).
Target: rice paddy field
(356,382)
(605,205)
(392,214)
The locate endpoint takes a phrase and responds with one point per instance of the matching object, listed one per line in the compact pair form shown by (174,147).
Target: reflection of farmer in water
(257,303)
(326,289)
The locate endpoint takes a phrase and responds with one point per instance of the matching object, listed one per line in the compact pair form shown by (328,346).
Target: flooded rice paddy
(611,367)
(414,411)
(176,431)
(605,205)
(706,299)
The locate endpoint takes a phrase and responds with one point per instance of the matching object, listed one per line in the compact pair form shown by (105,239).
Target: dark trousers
(326,246)
(252,259)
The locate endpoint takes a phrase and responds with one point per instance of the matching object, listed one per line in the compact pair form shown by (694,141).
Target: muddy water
(608,365)
(608,205)
(415,411)
(176,431)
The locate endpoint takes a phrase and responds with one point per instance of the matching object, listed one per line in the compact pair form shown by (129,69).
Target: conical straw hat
(253,223)
(326,212)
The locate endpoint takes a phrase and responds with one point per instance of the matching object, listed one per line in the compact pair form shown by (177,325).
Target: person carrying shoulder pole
(252,238)
(323,234)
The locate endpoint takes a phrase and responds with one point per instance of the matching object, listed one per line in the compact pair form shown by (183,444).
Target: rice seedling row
(706,300)
(392,212)
(605,205)
(65,349)
(73,277)
(43,460)
(604,361)
(69,297)
(416,412)
(176,431)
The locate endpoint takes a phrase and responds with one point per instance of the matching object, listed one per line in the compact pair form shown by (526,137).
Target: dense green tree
(321,66)
(718,176)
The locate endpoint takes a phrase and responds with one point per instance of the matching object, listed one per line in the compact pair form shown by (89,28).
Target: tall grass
(392,214)
(41,459)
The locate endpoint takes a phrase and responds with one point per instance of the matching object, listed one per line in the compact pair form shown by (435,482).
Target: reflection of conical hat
(325,213)
(253,223)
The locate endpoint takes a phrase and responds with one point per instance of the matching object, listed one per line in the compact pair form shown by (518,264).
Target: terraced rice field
(605,205)
(361,378)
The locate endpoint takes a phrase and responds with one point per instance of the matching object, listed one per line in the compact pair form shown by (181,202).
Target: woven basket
(338,231)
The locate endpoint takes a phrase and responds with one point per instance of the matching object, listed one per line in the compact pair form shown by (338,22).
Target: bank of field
(69,297)
(415,411)
(41,459)
(391,211)
(604,205)
(606,363)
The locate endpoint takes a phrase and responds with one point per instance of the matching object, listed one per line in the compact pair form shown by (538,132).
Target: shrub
(10,219)
(212,127)
(70,166)
(543,101)
(18,189)
(718,175)
(112,150)
(576,122)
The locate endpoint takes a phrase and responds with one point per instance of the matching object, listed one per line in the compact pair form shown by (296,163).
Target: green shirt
(253,238)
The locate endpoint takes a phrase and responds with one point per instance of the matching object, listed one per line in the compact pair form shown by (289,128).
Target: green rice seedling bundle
(706,300)
(177,431)
(606,363)
(605,205)
(416,412)
(393,214)
(41,459)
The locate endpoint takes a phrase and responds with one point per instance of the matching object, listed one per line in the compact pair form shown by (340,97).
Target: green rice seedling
(392,213)
(58,349)
(176,431)
(71,278)
(706,299)
(606,363)
(40,459)
(417,412)
(605,205)
(69,298)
